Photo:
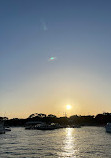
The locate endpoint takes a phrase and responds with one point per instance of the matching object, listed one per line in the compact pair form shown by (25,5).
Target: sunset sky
(77,34)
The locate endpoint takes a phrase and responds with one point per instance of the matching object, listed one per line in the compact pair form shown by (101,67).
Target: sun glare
(68,107)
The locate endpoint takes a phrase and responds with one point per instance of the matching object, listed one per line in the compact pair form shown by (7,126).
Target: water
(85,142)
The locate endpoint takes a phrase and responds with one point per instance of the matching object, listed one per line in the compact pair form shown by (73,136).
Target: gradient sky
(78,34)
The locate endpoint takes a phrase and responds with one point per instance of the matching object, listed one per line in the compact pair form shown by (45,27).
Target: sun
(68,107)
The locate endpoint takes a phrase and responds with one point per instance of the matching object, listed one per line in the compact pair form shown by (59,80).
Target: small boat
(32,125)
(2,129)
(7,129)
(44,126)
(108,127)
(76,126)
(41,126)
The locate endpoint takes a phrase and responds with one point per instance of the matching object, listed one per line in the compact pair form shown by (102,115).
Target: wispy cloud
(43,25)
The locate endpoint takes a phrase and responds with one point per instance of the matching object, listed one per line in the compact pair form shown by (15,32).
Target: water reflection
(69,146)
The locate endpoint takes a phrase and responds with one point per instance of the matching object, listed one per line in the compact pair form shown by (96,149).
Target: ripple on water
(68,142)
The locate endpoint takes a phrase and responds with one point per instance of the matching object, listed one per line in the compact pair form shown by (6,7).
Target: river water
(85,142)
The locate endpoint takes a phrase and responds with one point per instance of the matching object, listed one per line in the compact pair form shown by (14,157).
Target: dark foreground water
(85,142)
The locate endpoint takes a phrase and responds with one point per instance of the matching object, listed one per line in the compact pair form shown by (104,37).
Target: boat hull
(2,132)
(108,128)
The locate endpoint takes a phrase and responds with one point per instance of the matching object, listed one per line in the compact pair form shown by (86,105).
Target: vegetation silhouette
(89,120)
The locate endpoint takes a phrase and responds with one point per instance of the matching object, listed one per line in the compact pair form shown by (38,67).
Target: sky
(77,35)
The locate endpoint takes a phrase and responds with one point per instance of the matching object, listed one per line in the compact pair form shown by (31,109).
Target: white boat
(2,129)
(108,127)
(7,129)
(45,126)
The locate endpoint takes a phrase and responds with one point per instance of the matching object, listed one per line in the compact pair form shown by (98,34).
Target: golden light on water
(69,144)
(68,107)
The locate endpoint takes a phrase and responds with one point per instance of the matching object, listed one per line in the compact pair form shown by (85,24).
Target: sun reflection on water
(69,146)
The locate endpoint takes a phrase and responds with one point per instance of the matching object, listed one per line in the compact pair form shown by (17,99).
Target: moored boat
(2,129)
(108,127)
(41,126)
(7,129)
(44,126)
(76,126)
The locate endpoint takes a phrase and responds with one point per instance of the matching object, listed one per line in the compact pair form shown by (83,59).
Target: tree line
(88,120)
